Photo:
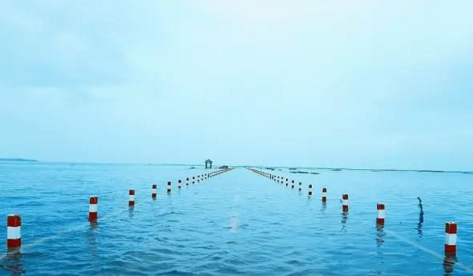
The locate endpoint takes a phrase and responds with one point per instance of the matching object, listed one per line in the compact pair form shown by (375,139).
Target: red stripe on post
(450,228)
(13,243)
(450,249)
(14,221)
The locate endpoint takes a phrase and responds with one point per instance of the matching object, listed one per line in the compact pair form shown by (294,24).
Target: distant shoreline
(372,170)
(23,160)
(17,160)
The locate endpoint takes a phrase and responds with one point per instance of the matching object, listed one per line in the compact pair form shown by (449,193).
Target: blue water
(238,223)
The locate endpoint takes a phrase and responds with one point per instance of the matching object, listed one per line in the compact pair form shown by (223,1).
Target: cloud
(343,83)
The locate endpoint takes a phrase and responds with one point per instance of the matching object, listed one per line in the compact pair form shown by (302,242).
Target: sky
(364,84)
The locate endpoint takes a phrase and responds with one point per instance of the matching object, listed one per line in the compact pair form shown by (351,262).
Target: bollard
(131,200)
(324,194)
(187,181)
(300,186)
(93,208)
(13,231)
(310,189)
(153,191)
(381,214)
(450,238)
(292,184)
(179,184)
(345,203)
(169,187)
(287,182)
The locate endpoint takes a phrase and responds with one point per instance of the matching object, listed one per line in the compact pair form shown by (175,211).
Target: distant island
(17,160)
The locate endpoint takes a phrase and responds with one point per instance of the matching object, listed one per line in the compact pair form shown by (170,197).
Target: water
(238,223)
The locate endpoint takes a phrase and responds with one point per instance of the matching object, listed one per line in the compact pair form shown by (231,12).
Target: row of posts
(14,220)
(450,227)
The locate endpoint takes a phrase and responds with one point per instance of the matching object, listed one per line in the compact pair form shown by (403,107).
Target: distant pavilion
(208,164)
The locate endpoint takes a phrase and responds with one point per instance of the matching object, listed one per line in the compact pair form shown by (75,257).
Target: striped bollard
(310,189)
(345,203)
(154,191)
(13,231)
(381,214)
(169,187)
(131,200)
(300,186)
(324,195)
(450,238)
(93,208)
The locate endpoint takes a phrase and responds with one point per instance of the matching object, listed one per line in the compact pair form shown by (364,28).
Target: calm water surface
(238,223)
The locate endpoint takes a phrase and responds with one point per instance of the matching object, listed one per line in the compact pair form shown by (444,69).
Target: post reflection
(380,234)
(92,239)
(449,264)
(324,207)
(344,220)
(13,263)
(131,212)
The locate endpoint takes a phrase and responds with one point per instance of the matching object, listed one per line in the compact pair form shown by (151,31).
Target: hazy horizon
(355,84)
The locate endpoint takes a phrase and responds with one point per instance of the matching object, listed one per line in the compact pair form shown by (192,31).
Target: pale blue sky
(299,83)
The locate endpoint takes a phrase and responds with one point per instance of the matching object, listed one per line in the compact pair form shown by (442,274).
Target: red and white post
(154,191)
(93,208)
(381,214)
(131,199)
(450,238)
(169,187)
(13,231)
(324,195)
(310,189)
(345,203)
